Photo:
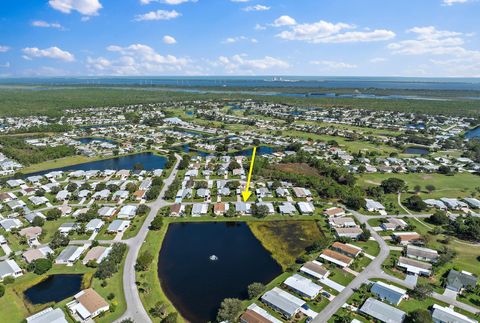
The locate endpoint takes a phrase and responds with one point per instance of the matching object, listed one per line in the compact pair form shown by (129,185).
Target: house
(263,192)
(7,197)
(336,258)
(87,305)
(457,281)
(394,224)
(406,238)
(345,222)
(97,254)
(220,208)
(69,255)
(346,249)
(315,269)
(48,315)
(39,253)
(106,211)
(374,206)
(118,226)
(302,286)
(282,192)
(352,233)
(420,253)
(62,195)
(9,224)
(334,212)
(177,210)
(127,212)
(120,195)
(452,204)
(101,195)
(38,200)
(472,202)
(271,209)
(389,293)
(199,209)
(243,208)
(203,192)
(301,192)
(31,234)
(32,215)
(139,194)
(435,203)
(94,225)
(145,184)
(442,314)
(65,228)
(306,207)
(282,302)
(16,204)
(415,267)
(382,312)
(287,208)
(9,268)
(256,314)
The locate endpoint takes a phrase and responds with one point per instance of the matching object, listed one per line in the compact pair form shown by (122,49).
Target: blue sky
(239,37)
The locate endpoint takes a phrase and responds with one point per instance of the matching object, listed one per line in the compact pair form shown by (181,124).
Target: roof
(460,280)
(382,312)
(347,248)
(303,285)
(70,253)
(117,224)
(446,314)
(416,251)
(414,263)
(263,313)
(391,294)
(284,301)
(253,317)
(334,211)
(8,267)
(97,253)
(91,300)
(336,257)
(314,268)
(48,315)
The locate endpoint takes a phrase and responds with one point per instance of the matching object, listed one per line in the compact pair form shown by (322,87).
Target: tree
(445,170)
(41,266)
(170,318)
(142,209)
(255,289)
(152,193)
(158,310)
(393,185)
(430,188)
(59,240)
(417,189)
(157,181)
(422,291)
(157,223)
(38,221)
(416,203)
(53,214)
(233,165)
(419,316)
(438,218)
(229,310)
(144,261)
(259,211)
(230,213)
(72,187)
(355,202)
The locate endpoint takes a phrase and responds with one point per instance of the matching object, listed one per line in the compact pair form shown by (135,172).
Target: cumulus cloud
(4,49)
(334,64)
(242,64)
(44,24)
(158,15)
(257,7)
(170,2)
(284,21)
(85,7)
(452,2)
(327,32)
(169,40)
(232,40)
(137,59)
(51,52)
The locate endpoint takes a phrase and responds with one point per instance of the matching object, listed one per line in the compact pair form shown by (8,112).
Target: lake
(416,151)
(473,133)
(197,285)
(149,161)
(54,289)
(88,140)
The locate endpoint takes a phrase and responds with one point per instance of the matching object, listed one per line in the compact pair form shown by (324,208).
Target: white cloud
(284,21)
(170,2)
(137,59)
(85,7)
(327,32)
(240,0)
(232,40)
(44,24)
(257,7)
(158,15)
(51,52)
(334,64)
(4,49)
(242,64)
(5,65)
(452,2)
(169,40)
(260,27)
(378,60)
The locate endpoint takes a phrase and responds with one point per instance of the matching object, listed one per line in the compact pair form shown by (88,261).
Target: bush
(170,318)
(8,280)
(53,214)
(255,289)
(157,223)
(144,261)
(229,310)
(41,266)
(38,221)
(2,291)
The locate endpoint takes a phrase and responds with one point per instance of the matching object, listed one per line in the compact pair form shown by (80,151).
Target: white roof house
(306,208)
(382,312)
(303,286)
(282,302)
(9,268)
(87,304)
(442,314)
(127,212)
(69,255)
(106,211)
(94,225)
(9,224)
(118,226)
(374,205)
(199,209)
(48,315)
(287,208)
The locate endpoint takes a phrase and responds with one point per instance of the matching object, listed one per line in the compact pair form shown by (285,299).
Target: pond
(195,284)
(88,140)
(149,161)
(416,151)
(261,150)
(473,133)
(54,289)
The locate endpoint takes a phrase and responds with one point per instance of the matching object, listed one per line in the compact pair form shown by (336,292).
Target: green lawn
(50,227)
(135,226)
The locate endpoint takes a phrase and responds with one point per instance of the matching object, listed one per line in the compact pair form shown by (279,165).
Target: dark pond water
(54,289)
(473,133)
(261,150)
(416,151)
(148,160)
(197,285)
(90,139)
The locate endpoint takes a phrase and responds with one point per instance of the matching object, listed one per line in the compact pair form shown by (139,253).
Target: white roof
(303,285)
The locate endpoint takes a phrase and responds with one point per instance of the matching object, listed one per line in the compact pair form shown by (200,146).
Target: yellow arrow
(246,194)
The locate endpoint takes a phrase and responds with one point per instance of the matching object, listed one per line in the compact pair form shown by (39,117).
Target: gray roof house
(9,224)
(389,293)
(447,315)
(69,255)
(282,302)
(118,226)
(287,208)
(9,268)
(382,312)
(48,315)
(457,281)
(94,225)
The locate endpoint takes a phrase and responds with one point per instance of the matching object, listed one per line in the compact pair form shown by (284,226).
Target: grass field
(286,240)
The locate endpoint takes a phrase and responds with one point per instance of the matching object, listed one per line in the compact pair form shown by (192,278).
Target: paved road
(135,309)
